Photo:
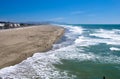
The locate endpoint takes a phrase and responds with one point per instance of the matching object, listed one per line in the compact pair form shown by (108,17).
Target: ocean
(86,51)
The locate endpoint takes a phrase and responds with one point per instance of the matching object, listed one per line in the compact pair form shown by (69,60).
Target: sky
(68,11)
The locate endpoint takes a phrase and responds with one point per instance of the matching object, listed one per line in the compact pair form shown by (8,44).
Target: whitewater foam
(40,65)
(114,49)
(110,36)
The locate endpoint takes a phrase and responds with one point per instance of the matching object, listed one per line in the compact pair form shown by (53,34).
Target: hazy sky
(70,11)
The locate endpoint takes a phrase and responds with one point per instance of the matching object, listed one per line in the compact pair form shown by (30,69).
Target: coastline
(20,43)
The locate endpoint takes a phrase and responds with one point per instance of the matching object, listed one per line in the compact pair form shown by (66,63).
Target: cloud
(77,12)
(57,19)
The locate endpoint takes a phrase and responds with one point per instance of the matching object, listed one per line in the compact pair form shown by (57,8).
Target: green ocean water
(86,51)
(105,62)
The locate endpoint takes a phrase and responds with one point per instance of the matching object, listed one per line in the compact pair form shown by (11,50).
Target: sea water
(86,51)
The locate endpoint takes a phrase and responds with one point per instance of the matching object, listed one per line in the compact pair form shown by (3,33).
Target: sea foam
(114,49)
(41,65)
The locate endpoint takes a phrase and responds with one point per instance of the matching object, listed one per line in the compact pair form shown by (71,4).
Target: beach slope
(20,43)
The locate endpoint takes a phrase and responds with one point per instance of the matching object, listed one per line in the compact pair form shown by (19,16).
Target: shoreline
(18,44)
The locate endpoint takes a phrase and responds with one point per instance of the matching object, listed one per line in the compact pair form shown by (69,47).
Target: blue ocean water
(86,51)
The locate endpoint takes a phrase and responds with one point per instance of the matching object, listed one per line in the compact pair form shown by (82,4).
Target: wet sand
(20,43)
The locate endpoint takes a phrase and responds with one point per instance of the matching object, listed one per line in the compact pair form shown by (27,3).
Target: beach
(85,51)
(18,44)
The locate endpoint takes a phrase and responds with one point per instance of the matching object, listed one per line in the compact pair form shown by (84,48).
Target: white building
(16,25)
(2,25)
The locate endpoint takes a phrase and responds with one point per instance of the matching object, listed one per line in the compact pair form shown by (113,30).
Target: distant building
(16,25)
(2,25)
(7,25)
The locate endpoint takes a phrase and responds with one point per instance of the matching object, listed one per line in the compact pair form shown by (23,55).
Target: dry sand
(18,44)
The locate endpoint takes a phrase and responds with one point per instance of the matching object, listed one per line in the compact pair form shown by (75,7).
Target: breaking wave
(40,65)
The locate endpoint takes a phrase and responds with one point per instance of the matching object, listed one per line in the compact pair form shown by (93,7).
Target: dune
(18,44)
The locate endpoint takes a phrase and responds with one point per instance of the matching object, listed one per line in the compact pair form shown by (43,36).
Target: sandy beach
(20,43)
